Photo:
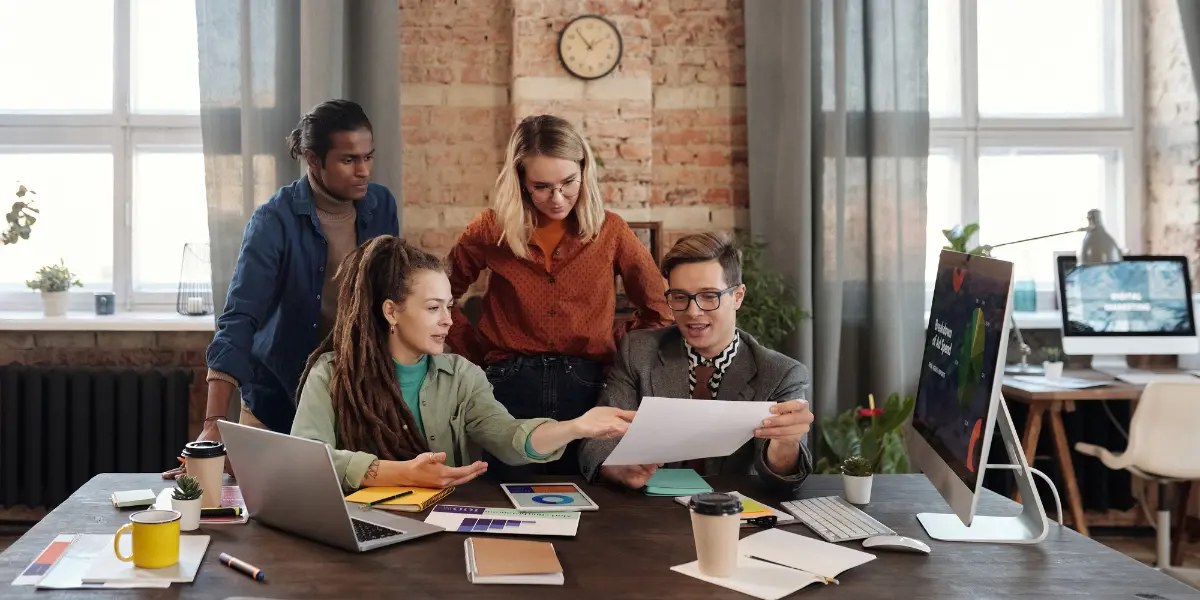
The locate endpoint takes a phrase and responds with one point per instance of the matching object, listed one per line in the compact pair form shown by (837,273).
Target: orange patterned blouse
(567,308)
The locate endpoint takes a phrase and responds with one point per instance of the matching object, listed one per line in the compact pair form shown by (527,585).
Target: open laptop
(289,483)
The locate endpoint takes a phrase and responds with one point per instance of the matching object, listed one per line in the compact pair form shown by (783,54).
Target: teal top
(412,377)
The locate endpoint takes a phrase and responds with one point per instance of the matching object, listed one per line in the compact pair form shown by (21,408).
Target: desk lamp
(1098,248)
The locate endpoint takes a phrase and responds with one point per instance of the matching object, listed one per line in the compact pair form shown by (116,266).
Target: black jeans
(550,386)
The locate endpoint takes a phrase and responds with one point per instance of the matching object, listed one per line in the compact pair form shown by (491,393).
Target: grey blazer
(654,362)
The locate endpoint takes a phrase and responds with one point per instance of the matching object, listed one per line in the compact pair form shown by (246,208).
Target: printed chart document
(505,521)
(677,429)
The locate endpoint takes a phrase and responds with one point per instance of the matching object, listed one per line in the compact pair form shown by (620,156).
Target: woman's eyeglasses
(544,192)
(705,301)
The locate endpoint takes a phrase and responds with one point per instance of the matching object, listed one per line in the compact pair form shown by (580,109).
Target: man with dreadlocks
(393,408)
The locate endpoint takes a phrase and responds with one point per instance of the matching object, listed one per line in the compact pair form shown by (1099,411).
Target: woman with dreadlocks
(392,407)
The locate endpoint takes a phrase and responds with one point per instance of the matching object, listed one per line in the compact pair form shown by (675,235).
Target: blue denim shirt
(269,326)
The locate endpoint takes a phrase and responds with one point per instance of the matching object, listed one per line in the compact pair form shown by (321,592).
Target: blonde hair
(544,135)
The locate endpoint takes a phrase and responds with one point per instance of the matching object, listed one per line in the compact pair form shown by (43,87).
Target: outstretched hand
(603,422)
(429,470)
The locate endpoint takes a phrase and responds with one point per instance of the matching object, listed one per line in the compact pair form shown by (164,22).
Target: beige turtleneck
(337,218)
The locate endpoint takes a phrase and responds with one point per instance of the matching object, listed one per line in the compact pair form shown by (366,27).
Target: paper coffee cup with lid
(716,520)
(205,460)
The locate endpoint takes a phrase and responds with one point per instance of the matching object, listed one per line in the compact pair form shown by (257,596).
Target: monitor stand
(1110,364)
(1028,527)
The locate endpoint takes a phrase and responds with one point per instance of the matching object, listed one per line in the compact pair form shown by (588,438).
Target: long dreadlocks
(371,413)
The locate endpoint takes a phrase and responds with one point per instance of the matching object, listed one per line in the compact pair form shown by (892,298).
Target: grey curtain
(838,140)
(263,63)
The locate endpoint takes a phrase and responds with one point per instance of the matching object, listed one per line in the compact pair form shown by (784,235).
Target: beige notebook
(496,560)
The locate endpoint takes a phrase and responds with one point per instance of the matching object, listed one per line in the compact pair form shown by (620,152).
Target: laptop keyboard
(366,532)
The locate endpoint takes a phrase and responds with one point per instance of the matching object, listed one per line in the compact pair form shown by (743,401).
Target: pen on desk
(381,501)
(827,580)
(242,567)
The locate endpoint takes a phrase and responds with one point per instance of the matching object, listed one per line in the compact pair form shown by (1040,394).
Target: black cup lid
(204,449)
(716,504)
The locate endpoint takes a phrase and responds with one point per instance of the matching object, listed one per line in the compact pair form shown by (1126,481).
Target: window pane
(169,210)
(1050,59)
(164,55)
(944,65)
(75,197)
(58,56)
(1024,194)
(944,205)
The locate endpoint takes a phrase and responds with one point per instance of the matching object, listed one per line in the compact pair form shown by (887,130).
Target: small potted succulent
(1053,364)
(185,499)
(54,282)
(857,477)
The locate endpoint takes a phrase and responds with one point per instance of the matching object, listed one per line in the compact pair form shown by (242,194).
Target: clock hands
(585,40)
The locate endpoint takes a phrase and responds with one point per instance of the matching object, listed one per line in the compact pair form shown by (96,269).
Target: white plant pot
(54,304)
(858,489)
(189,511)
(1054,370)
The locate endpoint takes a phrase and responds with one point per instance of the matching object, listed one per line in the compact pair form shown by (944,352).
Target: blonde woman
(545,332)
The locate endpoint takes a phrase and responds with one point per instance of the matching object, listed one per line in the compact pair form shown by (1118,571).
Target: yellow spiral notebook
(419,500)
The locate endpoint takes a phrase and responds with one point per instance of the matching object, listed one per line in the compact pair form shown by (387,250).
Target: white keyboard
(834,519)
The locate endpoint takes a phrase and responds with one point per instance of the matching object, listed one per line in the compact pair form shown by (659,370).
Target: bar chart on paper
(474,519)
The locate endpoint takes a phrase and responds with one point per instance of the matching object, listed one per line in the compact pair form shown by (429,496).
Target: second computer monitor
(1142,305)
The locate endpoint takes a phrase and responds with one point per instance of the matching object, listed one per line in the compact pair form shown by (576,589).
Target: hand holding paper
(676,429)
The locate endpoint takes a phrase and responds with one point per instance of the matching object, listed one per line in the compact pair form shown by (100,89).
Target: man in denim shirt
(283,296)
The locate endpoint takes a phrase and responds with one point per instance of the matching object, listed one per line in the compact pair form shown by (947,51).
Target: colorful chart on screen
(548,497)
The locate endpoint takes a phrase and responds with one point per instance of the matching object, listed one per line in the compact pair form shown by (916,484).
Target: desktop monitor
(1141,305)
(958,401)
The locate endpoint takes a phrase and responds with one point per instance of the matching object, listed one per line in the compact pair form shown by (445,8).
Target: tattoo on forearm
(373,470)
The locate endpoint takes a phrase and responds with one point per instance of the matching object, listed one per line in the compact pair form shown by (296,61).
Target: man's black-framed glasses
(679,300)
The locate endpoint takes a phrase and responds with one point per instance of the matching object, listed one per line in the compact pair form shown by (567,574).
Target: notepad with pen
(418,501)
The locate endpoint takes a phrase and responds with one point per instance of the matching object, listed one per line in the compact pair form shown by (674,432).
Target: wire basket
(195,282)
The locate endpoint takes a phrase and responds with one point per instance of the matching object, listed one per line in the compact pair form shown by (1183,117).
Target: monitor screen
(1140,296)
(963,350)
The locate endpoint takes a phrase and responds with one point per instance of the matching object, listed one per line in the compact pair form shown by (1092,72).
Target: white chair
(1164,447)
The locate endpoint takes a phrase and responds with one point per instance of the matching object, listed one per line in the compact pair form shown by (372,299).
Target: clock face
(590,47)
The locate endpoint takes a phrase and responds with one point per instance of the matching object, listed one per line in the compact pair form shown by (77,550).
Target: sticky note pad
(676,482)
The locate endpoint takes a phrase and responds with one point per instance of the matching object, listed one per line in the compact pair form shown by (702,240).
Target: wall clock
(590,47)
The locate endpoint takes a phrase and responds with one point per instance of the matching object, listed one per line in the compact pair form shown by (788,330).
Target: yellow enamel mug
(155,539)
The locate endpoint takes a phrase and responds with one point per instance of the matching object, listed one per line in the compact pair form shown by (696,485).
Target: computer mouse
(898,543)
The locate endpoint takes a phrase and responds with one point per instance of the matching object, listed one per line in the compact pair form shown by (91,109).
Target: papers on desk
(1148,377)
(775,563)
(505,521)
(675,429)
(86,561)
(751,509)
(1066,383)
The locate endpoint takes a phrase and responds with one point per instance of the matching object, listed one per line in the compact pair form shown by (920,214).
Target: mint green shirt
(457,410)
(411,378)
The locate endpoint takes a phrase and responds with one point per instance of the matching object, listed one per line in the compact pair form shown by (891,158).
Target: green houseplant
(19,221)
(185,499)
(874,434)
(1053,364)
(770,311)
(857,476)
(54,281)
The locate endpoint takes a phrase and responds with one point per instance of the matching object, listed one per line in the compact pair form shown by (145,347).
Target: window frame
(122,131)
(972,135)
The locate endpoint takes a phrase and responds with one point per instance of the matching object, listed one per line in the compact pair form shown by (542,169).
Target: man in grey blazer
(705,356)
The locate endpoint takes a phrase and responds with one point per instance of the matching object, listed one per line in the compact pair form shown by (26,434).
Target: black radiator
(59,426)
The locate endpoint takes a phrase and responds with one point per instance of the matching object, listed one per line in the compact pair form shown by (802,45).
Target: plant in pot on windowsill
(54,282)
(1053,364)
(185,499)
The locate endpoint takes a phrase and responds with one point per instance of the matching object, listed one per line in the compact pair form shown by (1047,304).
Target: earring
(392,330)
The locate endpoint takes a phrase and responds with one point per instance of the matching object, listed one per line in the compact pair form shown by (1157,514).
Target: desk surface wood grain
(622,551)
(1028,392)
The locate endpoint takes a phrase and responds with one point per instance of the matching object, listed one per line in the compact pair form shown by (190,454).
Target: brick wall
(669,123)
(115,349)
(1172,210)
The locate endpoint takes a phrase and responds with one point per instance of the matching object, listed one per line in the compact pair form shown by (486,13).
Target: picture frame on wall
(650,234)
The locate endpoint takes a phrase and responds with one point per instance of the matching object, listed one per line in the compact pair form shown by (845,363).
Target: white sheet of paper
(755,577)
(107,568)
(799,552)
(68,572)
(677,429)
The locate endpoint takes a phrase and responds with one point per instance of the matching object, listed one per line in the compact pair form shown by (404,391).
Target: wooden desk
(1042,399)
(622,551)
